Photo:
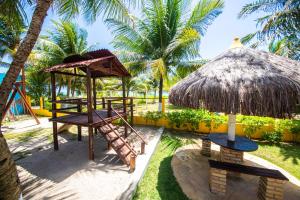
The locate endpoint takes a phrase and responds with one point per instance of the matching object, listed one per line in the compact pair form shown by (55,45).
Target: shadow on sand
(71,157)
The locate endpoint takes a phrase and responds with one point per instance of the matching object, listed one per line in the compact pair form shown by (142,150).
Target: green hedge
(251,123)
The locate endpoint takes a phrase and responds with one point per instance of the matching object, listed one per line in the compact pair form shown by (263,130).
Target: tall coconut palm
(281,23)
(9,184)
(168,33)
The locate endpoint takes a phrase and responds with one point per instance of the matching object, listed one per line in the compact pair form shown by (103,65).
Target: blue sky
(216,40)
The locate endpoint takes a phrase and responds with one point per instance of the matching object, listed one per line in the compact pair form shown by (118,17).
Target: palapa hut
(242,80)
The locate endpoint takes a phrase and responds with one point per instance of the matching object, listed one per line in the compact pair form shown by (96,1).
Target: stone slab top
(240,143)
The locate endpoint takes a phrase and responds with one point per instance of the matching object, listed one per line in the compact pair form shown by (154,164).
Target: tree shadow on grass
(167,185)
(290,151)
(287,150)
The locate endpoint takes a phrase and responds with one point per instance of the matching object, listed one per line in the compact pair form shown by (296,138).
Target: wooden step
(118,144)
(114,139)
(124,151)
(106,129)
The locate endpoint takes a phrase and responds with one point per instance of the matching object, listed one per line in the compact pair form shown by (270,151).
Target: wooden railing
(143,140)
(112,129)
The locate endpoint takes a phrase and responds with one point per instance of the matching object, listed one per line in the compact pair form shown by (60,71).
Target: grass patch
(40,132)
(26,136)
(285,155)
(159,181)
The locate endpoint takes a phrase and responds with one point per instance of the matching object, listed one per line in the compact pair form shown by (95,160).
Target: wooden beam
(104,70)
(67,112)
(53,90)
(68,73)
(27,105)
(9,103)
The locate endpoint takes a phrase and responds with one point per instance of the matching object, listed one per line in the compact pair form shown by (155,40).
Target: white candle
(231,127)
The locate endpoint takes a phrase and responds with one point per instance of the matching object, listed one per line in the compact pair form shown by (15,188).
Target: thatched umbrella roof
(242,80)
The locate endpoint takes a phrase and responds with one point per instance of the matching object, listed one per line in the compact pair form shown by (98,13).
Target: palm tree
(62,40)
(9,184)
(280,24)
(10,38)
(37,83)
(168,33)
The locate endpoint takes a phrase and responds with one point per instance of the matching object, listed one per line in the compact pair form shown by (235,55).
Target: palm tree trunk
(161,84)
(59,89)
(74,87)
(9,181)
(127,92)
(69,87)
(154,99)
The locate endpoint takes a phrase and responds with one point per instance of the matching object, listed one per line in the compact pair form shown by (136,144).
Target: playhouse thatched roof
(242,80)
(102,63)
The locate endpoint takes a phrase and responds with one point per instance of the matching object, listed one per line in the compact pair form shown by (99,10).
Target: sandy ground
(191,170)
(68,174)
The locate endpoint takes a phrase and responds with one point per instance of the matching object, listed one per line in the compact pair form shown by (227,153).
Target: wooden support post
(53,90)
(108,145)
(90,114)
(94,98)
(109,114)
(131,112)
(124,106)
(143,147)
(109,108)
(79,109)
(94,94)
(132,163)
(103,102)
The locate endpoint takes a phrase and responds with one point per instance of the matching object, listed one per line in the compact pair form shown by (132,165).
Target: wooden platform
(82,119)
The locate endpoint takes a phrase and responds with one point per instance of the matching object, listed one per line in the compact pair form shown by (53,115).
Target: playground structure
(87,112)
(20,88)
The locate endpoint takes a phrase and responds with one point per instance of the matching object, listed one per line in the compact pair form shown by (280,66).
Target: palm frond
(204,14)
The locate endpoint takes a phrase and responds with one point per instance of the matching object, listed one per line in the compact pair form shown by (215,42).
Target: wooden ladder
(121,146)
(124,150)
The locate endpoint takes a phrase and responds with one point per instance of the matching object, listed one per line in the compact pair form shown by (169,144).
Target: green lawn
(285,155)
(159,182)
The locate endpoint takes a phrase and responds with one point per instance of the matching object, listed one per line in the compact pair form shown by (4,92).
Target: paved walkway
(191,171)
(68,174)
